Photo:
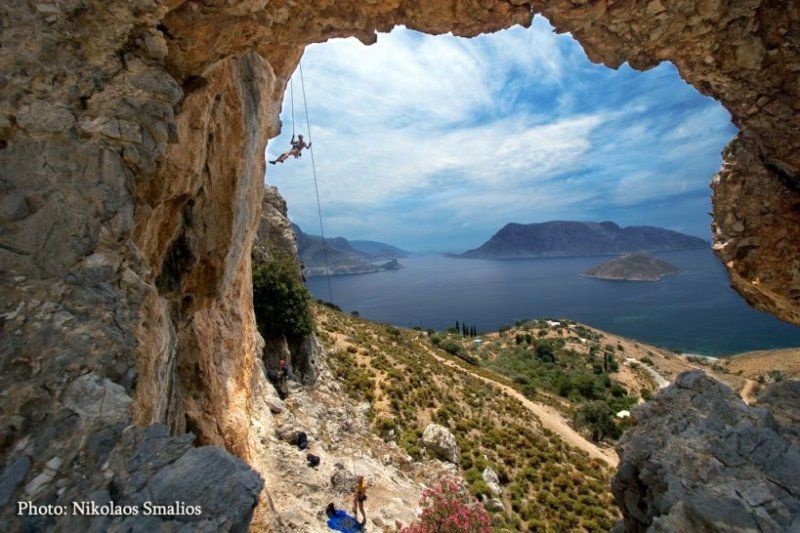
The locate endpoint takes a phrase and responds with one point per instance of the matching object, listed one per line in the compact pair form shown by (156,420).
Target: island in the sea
(633,267)
(562,238)
(344,257)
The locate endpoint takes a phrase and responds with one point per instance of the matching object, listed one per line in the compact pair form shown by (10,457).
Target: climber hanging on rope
(297,148)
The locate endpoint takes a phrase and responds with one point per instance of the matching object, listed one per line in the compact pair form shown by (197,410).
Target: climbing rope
(316,184)
(291,91)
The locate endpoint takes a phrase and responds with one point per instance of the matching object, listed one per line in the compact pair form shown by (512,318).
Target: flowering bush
(449,508)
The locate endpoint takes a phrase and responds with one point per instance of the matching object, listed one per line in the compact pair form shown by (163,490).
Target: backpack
(313,460)
(302,440)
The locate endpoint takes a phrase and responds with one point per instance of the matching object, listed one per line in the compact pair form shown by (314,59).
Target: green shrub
(545,351)
(281,301)
(587,386)
(451,347)
(597,417)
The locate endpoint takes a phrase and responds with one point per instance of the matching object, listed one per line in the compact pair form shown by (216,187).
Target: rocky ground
(339,434)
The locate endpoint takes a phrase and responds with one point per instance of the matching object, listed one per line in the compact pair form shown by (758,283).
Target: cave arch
(740,53)
(132,135)
(743,54)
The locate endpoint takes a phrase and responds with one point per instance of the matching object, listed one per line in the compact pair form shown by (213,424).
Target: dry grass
(547,485)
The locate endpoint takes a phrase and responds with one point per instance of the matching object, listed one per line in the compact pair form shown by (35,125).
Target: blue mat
(341,521)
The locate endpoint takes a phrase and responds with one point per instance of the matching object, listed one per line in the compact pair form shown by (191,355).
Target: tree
(545,352)
(597,417)
(449,508)
(587,386)
(281,301)
(451,347)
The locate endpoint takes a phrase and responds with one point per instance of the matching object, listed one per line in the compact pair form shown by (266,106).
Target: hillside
(409,383)
(343,256)
(633,267)
(379,249)
(521,410)
(566,238)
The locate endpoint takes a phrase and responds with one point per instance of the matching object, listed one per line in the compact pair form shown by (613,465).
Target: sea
(694,311)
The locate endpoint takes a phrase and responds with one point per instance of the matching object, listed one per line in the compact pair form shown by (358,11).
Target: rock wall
(275,240)
(131,148)
(700,459)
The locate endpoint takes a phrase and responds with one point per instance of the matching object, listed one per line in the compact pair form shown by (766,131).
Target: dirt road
(549,417)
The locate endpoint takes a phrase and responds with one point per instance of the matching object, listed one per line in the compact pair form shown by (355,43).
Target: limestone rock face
(275,236)
(132,135)
(130,199)
(93,397)
(441,443)
(700,459)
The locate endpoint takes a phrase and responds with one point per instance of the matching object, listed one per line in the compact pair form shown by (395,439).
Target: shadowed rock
(700,459)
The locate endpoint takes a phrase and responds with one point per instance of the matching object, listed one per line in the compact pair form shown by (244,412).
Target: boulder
(700,459)
(200,488)
(493,505)
(223,486)
(12,476)
(276,405)
(441,443)
(492,481)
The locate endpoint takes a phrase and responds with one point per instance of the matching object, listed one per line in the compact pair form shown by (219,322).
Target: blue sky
(433,143)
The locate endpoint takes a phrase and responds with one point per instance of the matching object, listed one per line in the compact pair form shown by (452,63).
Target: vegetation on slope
(559,362)
(280,300)
(547,486)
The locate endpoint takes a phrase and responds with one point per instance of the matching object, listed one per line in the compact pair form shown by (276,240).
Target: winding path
(549,417)
(660,381)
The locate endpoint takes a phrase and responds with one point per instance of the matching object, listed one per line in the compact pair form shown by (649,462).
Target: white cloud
(429,134)
(640,187)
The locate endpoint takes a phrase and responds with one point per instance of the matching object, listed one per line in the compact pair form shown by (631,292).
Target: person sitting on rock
(283,372)
(297,148)
(359,498)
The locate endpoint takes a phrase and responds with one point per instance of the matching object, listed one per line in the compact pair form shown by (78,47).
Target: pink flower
(449,508)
